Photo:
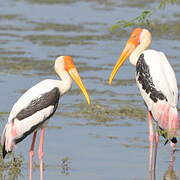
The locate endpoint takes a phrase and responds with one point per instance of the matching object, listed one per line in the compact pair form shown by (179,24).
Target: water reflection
(170,173)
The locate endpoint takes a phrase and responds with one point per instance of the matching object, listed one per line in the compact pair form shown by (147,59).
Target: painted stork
(33,109)
(156,81)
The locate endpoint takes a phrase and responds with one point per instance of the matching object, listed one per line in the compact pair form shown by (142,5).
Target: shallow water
(108,139)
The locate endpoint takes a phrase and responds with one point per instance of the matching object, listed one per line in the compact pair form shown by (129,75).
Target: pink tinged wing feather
(164,80)
(15,129)
(166,117)
(174,122)
(8,136)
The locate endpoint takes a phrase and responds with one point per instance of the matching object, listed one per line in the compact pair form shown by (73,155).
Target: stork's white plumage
(163,76)
(33,109)
(157,83)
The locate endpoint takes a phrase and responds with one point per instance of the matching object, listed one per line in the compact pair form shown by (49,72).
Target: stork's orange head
(65,63)
(135,37)
(68,63)
(138,37)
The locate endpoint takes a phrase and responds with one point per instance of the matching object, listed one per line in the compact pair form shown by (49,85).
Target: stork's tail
(174,122)
(4,152)
(7,139)
(168,120)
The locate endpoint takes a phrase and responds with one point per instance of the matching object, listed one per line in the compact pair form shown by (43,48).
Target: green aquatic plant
(102,113)
(143,20)
(10,168)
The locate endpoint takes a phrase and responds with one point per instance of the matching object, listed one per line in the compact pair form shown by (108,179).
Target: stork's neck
(66,81)
(136,53)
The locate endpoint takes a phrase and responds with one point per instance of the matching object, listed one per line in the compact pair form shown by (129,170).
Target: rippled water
(108,139)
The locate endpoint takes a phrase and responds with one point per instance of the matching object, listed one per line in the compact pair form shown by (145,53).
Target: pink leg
(172,159)
(151,142)
(41,153)
(31,154)
(156,147)
(173,145)
(151,139)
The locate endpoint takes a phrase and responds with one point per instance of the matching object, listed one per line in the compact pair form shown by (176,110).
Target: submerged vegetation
(10,169)
(103,114)
(65,166)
